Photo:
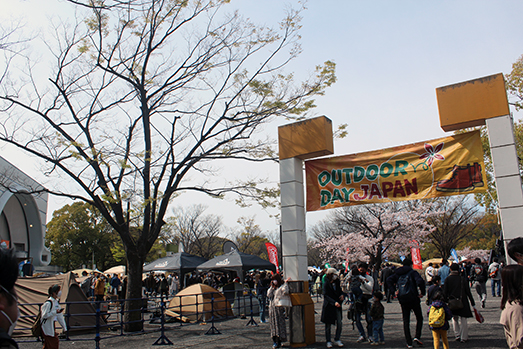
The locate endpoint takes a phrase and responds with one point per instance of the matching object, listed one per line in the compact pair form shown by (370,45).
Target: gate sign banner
(441,167)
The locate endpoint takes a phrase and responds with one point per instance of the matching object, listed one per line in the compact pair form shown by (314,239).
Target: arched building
(23,207)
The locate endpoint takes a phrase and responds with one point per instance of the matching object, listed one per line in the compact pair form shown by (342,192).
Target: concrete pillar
(294,237)
(508,180)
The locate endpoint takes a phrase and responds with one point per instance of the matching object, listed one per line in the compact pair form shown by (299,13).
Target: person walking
(367,287)
(261,291)
(408,281)
(278,295)
(478,275)
(377,313)
(51,312)
(494,271)
(439,315)
(8,298)
(99,288)
(512,305)
(457,287)
(331,312)
(443,270)
(385,273)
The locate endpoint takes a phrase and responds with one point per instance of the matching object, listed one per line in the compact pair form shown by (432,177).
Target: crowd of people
(447,290)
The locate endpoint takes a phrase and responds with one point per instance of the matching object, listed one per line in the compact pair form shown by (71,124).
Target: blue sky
(390,56)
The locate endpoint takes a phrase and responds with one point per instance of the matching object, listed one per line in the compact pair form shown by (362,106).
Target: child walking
(439,316)
(377,313)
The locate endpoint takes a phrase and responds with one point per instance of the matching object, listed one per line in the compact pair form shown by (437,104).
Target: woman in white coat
(51,312)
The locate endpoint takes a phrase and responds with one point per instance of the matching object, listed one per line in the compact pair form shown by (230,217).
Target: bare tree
(143,95)
(198,233)
(456,220)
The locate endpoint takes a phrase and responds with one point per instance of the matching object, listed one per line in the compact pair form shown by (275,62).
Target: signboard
(440,167)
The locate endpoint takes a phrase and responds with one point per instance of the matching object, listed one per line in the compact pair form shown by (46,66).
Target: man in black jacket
(408,281)
(478,274)
(9,312)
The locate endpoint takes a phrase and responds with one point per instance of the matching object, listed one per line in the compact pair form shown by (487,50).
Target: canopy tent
(180,262)
(237,261)
(33,290)
(119,269)
(198,302)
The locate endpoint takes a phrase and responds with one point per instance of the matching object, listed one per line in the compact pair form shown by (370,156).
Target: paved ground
(235,334)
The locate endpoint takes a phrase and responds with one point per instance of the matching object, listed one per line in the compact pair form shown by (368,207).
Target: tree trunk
(133,308)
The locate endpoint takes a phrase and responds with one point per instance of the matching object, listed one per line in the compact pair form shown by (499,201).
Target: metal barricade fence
(188,309)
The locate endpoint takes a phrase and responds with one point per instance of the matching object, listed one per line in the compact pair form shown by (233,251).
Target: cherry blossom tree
(468,253)
(373,232)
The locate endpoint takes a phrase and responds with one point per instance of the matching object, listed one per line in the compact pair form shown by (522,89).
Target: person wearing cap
(9,312)
(51,312)
(331,312)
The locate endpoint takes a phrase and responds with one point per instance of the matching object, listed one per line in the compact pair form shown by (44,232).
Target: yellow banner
(441,167)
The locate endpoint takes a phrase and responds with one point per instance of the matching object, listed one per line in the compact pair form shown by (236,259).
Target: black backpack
(407,289)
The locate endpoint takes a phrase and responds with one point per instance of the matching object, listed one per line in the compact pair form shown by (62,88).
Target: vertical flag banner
(416,258)
(272,251)
(440,167)
(454,254)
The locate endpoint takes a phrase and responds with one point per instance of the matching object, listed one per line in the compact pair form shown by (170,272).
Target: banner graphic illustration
(441,167)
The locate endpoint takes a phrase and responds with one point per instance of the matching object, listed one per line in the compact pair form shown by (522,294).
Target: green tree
(514,83)
(143,96)
(250,238)
(78,233)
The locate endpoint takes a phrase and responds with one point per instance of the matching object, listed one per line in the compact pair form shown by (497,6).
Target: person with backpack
(51,311)
(9,312)
(478,275)
(408,281)
(456,290)
(494,271)
(439,315)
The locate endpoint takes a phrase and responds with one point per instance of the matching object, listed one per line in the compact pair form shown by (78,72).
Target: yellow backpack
(436,317)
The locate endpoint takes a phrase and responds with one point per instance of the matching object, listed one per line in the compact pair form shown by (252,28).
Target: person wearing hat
(331,312)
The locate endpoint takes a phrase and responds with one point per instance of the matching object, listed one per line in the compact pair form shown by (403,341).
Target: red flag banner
(416,258)
(272,251)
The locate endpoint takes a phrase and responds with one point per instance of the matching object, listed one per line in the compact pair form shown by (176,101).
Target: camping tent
(237,261)
(33,290)
(198,302)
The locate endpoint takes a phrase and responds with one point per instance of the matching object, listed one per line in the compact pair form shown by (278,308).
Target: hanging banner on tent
(272,251)
(440,167)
